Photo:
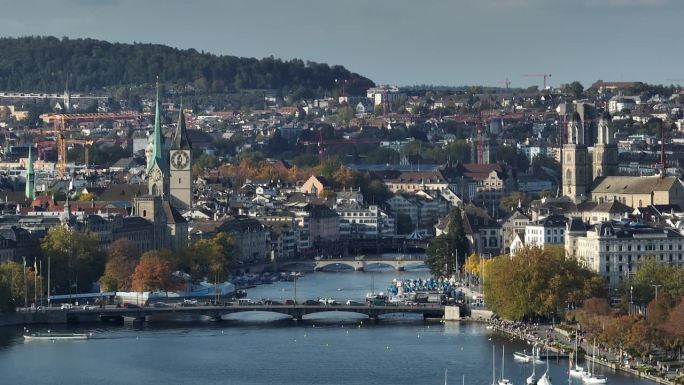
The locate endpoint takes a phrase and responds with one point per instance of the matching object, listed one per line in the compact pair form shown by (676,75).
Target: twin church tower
(579,172)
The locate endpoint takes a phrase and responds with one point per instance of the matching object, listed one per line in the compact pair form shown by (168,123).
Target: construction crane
(544,76)
(60,127)
(86,143)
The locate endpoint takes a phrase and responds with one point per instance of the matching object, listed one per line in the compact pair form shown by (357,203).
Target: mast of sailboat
(503,353)
(493,364)
(445,375)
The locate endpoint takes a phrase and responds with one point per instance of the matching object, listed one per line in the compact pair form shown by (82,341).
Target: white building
(547,231)
(615,250)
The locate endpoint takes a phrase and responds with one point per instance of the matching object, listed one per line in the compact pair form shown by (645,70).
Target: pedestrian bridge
(355,264)
(218,312)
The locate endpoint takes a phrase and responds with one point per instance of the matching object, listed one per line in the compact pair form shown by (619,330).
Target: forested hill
(42,64)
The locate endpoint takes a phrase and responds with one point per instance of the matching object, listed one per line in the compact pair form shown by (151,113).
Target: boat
(576,370)
(525,357)
(55,336)
(445,376)
(532,379)
(545,379)
(591,377)
(503,380)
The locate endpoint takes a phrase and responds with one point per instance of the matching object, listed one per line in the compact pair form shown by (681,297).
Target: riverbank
(21,318)
(549,336)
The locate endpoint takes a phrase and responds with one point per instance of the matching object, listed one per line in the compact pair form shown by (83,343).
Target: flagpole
(35,281)
(40,266)
(48,283)
(23,269)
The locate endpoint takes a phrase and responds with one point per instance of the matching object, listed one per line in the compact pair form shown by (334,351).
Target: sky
(402,42)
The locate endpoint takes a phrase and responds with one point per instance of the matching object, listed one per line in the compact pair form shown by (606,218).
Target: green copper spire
(158,144)
(30,176)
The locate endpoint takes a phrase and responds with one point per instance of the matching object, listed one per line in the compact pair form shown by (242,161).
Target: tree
(674,326)
(75,259)
(404,224)
(537,283)
(514,158)
(122,258)
(448,250)
(86,197)
(512,201)
(472,264)
(153,273)
(212,259)
(576,89)
(345,114)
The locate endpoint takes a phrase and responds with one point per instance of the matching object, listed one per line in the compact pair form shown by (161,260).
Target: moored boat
(55,336)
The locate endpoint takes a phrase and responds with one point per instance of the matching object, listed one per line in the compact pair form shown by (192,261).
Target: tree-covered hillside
(42,64)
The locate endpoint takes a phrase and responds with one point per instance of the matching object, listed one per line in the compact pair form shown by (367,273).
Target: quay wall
(32,318)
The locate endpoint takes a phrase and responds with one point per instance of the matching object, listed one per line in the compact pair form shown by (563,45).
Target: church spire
(180,137)
(158,144)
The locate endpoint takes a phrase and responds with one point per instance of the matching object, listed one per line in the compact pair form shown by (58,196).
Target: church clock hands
(179,160)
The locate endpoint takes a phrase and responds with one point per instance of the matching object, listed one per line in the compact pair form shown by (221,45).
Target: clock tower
(180,177)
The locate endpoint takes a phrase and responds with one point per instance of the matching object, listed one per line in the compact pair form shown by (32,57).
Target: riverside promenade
(561,343)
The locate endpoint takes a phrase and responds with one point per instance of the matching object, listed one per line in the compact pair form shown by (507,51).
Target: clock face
(179,159)
(155,175)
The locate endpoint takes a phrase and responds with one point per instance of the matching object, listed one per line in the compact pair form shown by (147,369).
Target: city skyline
(399,42)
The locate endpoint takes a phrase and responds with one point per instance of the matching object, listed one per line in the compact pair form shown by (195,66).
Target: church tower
(180,180)
(576,171)
(30,177)
(157,166)
(605,161)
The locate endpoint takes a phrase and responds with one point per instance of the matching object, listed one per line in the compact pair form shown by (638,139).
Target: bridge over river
(358,264)
(217,313)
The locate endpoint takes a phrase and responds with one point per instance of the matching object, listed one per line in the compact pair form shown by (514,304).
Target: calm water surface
(255,349)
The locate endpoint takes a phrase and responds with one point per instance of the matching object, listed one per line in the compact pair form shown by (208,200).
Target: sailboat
(445,376)
(532,379)
(503,380)
(576,371)
(545,379)
(591,377)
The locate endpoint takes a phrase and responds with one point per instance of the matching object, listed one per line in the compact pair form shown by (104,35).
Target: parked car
(130,306)
(66,306)
(289,302)
(89,307)
(311,302)
(160,304)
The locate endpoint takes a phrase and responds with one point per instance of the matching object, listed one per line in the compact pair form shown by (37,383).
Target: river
(258,349)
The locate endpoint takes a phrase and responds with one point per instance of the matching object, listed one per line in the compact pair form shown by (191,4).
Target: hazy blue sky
(452,42)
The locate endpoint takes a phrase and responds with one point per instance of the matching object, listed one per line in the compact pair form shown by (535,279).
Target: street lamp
(631,299)
(656,290)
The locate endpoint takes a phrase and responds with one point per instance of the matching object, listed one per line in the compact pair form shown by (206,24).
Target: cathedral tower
(180,180)
(576,171)
(605,158)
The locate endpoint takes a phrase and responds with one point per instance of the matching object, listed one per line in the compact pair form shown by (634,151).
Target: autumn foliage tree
(153,273)
(537,282)
(122,258)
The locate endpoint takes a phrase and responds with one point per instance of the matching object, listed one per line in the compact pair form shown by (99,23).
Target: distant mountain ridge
(40,63)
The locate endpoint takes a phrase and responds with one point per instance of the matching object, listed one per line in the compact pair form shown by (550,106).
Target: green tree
(449,250)
(76,261)
(514,158)
(512,201)
(576,89)
(404,224)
